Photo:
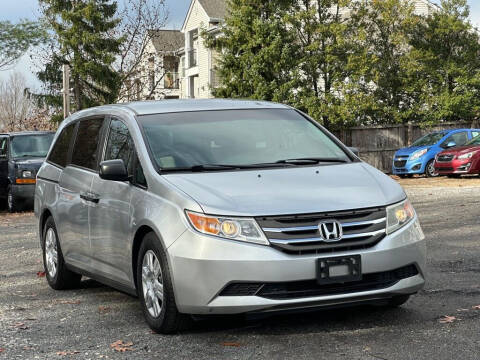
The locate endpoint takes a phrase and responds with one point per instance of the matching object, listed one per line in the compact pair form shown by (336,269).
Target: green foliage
(258,51)
(446,51)
(350,62)
(16,39)
(82,32)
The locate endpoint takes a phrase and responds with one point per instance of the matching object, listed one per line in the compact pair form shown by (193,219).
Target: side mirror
(451,144)
(114,170)
(354,150)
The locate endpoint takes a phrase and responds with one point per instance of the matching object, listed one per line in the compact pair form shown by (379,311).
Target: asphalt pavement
(441,322)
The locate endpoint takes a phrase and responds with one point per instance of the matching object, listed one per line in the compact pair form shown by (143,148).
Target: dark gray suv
(21,155)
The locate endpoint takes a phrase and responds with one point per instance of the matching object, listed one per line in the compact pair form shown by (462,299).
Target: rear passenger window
(120,144)
(59,152)
(86,144)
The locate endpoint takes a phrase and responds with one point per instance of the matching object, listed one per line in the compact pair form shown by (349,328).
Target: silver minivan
(222,207)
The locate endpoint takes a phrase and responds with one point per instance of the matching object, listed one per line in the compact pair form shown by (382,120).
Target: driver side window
(3,147)
(120,145)
(459,138)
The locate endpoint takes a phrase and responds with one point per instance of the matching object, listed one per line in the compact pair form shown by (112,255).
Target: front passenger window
(120,144)
(459,138)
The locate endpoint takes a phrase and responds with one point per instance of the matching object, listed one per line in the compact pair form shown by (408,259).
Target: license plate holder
(340,269)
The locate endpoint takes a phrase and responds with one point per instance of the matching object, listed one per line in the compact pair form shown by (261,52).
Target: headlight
(399,215)
(241,229)
(27,174)
(418,154)
(466,156)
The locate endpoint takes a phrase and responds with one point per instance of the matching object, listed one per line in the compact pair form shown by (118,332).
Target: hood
(411,150)
(459,150)
(29,163)
(289,190)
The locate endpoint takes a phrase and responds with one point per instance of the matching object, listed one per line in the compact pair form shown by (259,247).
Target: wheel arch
(46,213)
(137,242)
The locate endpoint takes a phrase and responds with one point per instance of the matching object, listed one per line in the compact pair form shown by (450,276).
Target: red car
(460,160)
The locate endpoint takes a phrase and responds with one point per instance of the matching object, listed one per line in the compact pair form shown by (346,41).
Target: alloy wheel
(51,254)
(431,169)
(152,283)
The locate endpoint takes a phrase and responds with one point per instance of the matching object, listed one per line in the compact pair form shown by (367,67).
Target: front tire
(12,201)
(430,169)
(155,289)
(56,272)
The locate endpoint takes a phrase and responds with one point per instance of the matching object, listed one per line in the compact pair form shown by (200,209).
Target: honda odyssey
(222,207)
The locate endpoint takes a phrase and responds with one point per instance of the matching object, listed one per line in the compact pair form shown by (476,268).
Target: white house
(191,63)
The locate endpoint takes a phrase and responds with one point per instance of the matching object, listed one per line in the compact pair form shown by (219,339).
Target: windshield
(429,140)
(31,145)
(235,137)
(474,141)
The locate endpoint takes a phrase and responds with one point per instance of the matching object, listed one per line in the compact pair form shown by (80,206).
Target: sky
(14,10)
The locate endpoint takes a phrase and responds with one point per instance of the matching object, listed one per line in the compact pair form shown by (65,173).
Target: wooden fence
(377,144)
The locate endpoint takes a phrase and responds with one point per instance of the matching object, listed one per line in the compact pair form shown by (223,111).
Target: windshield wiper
(306,161)
(221,167)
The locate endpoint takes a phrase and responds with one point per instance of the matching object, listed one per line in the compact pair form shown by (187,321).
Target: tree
(257,51)
(18,111)
(447,50)
(82,34)
(138,19)
(324,33)
(16,39)
(381,91)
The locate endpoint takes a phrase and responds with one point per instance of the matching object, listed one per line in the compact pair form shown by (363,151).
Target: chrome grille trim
(299,234)
(309,228)
(317,239)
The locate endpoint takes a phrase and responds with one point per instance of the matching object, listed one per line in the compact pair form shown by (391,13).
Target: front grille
(299,234)
(445,158)
(444,169)
(309,288)
(399,163)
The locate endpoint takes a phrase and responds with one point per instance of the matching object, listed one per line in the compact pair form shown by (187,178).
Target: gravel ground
(39,323)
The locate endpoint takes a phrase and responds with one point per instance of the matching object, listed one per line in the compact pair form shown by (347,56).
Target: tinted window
(120,144)
(31,145)
(474,141)
(235,137)
(459,138)
(139,175)
(59,152)
(3,147)
(429,140)
(86,143)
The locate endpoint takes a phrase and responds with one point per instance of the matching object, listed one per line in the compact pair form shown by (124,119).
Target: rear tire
(56,272)
(155,289)
(397,301)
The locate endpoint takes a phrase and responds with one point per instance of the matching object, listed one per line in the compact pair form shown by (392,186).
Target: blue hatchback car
(420,156)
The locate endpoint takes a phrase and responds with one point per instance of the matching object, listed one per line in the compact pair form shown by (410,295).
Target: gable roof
(215,9)
(166,40)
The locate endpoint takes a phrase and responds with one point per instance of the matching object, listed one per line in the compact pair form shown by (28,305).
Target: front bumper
(455,166)
(409,167)
(24,191)
(202,266)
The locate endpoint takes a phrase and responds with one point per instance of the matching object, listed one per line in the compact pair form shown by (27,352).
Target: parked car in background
(222,207)
(419,158)
(21,155)
(460,160)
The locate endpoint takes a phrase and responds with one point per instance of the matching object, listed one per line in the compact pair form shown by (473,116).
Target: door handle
(90,197)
